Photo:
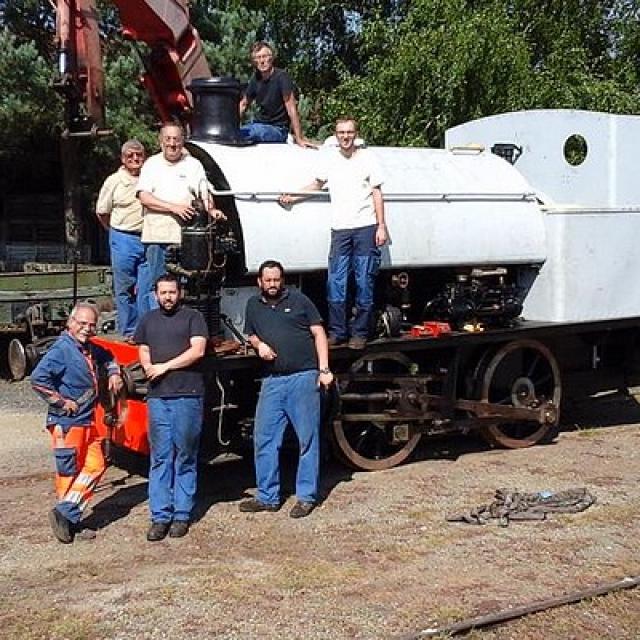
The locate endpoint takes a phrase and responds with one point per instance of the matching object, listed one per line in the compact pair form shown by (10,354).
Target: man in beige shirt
(120,212)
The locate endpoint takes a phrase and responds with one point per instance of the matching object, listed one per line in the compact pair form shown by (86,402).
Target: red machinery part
(132,434)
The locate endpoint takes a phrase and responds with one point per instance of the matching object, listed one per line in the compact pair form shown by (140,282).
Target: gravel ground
(376,560)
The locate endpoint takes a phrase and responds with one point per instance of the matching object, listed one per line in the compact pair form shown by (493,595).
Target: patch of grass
(610,514)
(47,624)
(588,432)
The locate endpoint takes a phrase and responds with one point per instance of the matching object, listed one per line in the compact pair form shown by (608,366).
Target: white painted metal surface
(593,230)
(606,178)
(442,208)
(592,267)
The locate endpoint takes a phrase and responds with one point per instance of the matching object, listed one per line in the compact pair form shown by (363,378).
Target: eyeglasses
(134,154)
(85,323)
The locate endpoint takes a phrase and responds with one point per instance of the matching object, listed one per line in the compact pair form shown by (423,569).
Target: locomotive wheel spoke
(371,445)
(521,374)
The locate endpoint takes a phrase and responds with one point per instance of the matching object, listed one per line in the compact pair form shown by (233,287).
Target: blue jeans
(155,259)
(352,250)
(260,132)
(295,398)
(129,278)
(174,435)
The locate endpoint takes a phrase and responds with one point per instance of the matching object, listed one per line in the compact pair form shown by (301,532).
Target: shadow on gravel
(601,411)
(229,479)
(117,505)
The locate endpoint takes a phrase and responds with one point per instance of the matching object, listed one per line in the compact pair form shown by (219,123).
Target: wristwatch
(325,370)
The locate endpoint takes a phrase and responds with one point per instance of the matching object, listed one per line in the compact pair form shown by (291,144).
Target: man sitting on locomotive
(275,95)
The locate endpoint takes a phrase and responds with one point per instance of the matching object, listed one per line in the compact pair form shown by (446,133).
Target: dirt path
(376,560)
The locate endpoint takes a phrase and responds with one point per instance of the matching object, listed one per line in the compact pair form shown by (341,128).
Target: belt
(130,233)
(281,374)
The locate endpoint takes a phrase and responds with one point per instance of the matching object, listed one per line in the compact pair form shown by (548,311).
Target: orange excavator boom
(175,58)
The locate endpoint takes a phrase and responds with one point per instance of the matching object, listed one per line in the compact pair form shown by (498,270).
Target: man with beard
(285,329)
(172,339)
(67,378)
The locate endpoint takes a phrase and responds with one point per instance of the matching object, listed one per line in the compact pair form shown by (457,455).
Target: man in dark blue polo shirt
(285,329)
(274,93)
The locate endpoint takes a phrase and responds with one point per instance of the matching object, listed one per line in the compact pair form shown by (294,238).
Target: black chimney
(215,111)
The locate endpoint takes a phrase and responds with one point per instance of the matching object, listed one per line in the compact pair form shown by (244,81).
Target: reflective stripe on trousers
(80,464)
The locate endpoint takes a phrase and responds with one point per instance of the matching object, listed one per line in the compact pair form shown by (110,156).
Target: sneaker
(253,505)
(179,528)
(62,527)
(302,509)
(334,342)
(157,531)
(357,342)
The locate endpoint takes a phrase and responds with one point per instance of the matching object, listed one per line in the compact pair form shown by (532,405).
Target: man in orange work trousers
(67,379)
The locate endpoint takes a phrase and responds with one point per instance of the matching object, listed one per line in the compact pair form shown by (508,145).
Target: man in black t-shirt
(172,339)
(285,329)
(275,96)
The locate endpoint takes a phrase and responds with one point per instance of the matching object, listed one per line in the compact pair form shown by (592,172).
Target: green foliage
(451,61)
(29,107)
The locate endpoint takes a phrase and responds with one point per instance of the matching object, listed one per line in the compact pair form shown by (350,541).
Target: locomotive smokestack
(215,111)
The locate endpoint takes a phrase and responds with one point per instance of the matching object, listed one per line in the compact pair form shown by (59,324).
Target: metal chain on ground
(512,504)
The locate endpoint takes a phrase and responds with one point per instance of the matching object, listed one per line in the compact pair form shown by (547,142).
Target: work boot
(357,342)
(253,505)
(179,528)
(301,509)
(62,527)
(157,531)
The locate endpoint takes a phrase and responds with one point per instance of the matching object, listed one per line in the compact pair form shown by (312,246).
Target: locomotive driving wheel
(372,444)
(522,374)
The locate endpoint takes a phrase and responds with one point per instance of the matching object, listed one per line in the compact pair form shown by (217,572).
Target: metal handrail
(270,196)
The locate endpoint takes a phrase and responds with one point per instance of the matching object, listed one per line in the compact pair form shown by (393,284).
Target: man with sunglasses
(67,379)
(120,213)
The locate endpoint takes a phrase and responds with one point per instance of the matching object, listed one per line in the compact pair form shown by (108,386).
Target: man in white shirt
(168,183)
(120,213)
(357,231)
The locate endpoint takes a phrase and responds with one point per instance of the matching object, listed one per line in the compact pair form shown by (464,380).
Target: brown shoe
(62,527)
(253,505)
(357,342)
(179,529)
(301,509)
(157,531)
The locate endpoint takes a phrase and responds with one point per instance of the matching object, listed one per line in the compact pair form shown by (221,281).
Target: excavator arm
(175,57)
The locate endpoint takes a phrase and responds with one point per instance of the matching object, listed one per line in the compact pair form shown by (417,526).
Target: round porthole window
(575,150)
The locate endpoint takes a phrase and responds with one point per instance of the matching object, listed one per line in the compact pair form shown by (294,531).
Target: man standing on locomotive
(67,379)
(358,231)
(169,182)
(172,340)
(285,329)
(120,213)
(275,95)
